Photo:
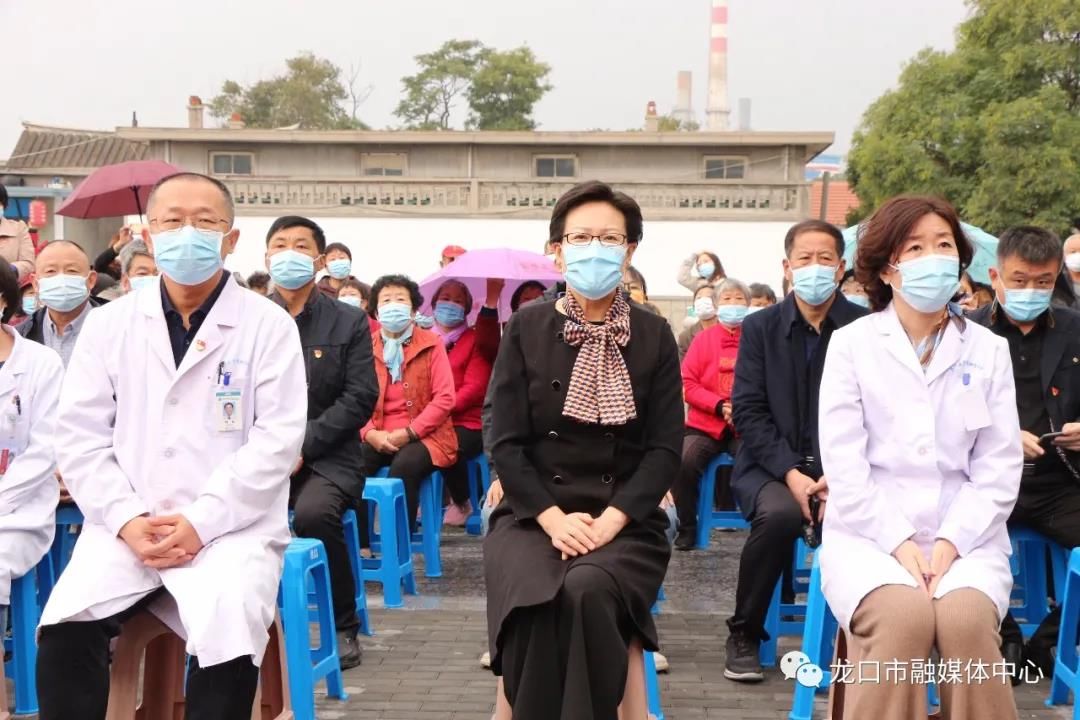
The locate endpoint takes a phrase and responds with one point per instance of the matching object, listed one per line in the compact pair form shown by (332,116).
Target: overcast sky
(806,64)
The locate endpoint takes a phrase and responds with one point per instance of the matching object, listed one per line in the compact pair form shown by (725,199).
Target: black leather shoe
(685,540)
(348,650)
(1013,654)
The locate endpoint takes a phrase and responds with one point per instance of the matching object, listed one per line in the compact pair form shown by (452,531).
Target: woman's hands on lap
(575,534)
(927,574)
(942,557)
(911,557)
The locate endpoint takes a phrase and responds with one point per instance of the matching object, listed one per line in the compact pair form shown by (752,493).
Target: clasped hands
(927,575)
(163,541)
(575,534)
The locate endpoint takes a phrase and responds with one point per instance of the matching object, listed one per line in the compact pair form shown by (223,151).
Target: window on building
(383,164)
(555,166)
(231,163)
(725,168)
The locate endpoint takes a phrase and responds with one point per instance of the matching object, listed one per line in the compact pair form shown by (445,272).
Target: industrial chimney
(717,110)
(194,112)
(683,111)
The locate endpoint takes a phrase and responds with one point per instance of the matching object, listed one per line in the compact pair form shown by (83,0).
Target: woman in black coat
(587,426)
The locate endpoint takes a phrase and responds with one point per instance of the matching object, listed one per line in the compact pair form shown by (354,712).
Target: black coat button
(556,385)
(553,435)
(560,336)
(557,479)
(608,479)
(609,436)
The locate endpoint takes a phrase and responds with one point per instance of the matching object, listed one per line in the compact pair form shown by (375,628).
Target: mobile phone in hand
(1049,437)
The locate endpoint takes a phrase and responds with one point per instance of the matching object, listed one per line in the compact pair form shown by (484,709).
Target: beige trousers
(901,623)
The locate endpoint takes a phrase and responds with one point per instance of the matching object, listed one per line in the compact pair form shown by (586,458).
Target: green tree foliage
(500,88)
(506,87)
(444,78)
(310,94)
(994,125)
(669,123)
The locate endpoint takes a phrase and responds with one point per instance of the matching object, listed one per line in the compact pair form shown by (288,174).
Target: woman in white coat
(30,377)
(919,441)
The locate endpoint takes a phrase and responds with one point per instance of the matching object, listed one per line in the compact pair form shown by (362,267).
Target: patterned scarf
(393,354)
(600,389)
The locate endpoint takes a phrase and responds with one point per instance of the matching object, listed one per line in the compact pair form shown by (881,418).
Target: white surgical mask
(1072,261)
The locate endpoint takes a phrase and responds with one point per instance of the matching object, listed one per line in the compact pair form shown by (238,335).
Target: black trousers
(1052,509)
(567,659)
(73,675)
(697,451)
(774,526)
(470,444)
(412,464)
(318,505)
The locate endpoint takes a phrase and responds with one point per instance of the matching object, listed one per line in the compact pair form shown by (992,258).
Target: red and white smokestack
(717,109)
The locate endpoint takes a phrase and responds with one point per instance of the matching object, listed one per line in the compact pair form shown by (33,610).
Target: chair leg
(706,490)
(25,614)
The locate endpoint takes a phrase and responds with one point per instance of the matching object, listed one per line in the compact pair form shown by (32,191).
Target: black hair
(468,294)
(761,290)
(258,279)
(595,191)
(634,273)
(221,187)
(1029,243)
(3,197)
(515,299)
(9,292)
(340,247)
(718,267)
(402,281)
(813,226)
(291,221)
(363,288)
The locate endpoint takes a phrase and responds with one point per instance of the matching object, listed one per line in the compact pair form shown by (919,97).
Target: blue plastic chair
(352,543)
(394,565)
(25,612)
(304,558)
(1067,666)
(787,618)
(427,540)
(708,517)
(1031,586)
(652,687)
(479,483)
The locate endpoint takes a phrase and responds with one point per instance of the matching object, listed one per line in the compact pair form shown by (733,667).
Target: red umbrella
(115,190)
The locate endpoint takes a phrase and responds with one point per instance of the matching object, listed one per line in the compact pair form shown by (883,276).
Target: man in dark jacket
(775,401)
(63,281)
(342,392)
(1044,342)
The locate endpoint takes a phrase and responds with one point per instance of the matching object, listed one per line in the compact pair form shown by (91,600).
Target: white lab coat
(917,455)
(28,490)
(137,435)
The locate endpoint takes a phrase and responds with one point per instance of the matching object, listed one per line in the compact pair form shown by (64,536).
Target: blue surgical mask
(753,309)
(187,255)
(141,281)
(291,270)
(449,314)
(860,300)
(29,304)
(395,317)
(731,315)
(706,270)
(339,269)
(352,300)
(814,284)
(929,282)
(63,293)
(1026,305)
(593,270)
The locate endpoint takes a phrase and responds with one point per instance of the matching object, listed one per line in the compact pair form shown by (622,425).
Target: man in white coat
(186,507)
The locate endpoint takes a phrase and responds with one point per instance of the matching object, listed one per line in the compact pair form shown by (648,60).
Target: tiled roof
(841,199)
(46,147)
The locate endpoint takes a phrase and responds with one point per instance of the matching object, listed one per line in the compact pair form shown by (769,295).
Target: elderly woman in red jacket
(410,429)
(708,374)
(472,353)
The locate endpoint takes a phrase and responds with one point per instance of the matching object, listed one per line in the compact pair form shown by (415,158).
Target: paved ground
(423,660)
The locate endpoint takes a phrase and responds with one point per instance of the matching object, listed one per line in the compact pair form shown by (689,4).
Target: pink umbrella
(476,266)
(115,190)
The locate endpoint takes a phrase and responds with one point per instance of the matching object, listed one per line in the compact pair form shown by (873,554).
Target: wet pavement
(423,661)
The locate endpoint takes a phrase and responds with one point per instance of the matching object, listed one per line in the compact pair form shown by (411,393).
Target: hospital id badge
(229,408)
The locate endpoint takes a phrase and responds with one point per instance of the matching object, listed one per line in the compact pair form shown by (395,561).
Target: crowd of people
(897,413)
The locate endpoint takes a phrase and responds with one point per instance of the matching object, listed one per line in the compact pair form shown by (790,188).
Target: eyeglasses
(173,222)
(612,239)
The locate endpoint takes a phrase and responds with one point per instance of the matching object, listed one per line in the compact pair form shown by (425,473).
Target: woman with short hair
(587,412)
(919,439)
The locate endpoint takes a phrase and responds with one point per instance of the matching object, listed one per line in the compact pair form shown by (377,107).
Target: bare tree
(358,93)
